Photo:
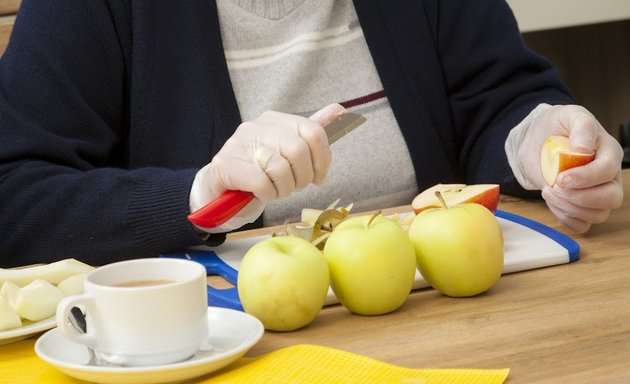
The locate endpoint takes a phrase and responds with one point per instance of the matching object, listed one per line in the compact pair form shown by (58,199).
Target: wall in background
(537,15)
(594,60)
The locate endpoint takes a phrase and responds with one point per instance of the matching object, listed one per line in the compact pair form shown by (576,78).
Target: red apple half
(453,194)
(556,156)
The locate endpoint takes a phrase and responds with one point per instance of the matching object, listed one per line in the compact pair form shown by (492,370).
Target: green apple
(372,264)
(283,281)
(459,250)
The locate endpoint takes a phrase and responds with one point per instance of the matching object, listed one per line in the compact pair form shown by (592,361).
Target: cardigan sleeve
(64,189)
(492,80)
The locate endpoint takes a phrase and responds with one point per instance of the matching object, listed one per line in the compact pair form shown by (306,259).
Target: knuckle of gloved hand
(284,185)
(282,193)
(580,227)
(578,109)
(303,178)
(218,163)
(618,151)
(590,126)
(617,198)
(600,216)
(244,128)
(270,115)
(321,166)
(264,190)
(570,220)
(297,152)
(574,110)
(555,110)
(312,133)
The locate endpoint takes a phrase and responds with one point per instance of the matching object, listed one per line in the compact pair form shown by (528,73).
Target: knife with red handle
(230,202)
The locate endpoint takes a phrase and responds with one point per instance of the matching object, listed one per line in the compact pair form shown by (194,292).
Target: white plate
(230,335)
(21,333)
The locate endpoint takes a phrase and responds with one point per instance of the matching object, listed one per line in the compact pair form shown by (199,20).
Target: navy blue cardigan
(109,107)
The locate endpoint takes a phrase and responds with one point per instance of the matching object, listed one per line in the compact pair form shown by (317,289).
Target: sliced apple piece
(53,272)
(8,318)
(72,285)
(557,156)
(453,194)
(9,291)
(37,300)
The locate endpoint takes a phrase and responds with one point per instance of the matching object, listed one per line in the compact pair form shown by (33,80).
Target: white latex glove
(582,195)
(270,156)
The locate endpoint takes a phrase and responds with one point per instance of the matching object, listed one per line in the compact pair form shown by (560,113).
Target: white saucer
(231,334)
(17,334)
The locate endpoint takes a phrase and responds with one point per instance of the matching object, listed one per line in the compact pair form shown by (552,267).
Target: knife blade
(230,202)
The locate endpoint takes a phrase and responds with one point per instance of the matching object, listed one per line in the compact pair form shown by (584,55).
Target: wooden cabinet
(8,9)
(594,61)
(588,41)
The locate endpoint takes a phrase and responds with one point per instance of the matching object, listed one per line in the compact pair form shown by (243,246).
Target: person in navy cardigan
(117,118)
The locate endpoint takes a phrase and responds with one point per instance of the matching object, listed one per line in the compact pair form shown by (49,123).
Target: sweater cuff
(158,210)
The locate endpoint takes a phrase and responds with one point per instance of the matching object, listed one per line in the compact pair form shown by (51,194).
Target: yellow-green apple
(372,264)
(283,281)
(484,194)
(557,156)
(459,249)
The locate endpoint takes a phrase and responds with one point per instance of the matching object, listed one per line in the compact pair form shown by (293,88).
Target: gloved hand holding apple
(579,192)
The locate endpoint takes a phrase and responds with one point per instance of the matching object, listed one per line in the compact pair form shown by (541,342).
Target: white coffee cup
(141,312)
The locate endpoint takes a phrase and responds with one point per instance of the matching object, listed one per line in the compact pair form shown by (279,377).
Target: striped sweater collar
(269,9)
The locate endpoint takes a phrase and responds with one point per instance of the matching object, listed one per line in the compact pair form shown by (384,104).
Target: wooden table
(561,324)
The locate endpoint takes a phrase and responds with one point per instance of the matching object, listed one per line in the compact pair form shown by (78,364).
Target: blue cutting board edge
(572,247)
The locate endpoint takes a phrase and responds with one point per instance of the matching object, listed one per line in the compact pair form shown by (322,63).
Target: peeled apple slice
(72,285)
(53,272)
(8,318)
(9,292)
(38,300)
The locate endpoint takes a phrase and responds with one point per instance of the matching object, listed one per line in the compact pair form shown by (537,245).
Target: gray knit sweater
(296,56)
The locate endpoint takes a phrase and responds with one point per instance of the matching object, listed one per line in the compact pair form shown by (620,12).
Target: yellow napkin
(297,364)
(20,365)
(316,364)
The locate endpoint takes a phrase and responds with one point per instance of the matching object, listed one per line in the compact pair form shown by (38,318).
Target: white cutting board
(528,245)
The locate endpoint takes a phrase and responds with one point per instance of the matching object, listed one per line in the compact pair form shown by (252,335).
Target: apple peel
(316,225)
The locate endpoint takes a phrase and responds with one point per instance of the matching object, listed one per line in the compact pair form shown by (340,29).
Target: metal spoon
(77,319)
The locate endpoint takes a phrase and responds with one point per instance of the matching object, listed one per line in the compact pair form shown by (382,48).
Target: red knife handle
(221,209)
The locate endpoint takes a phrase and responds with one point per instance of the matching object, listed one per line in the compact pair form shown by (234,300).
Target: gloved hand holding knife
(271,157)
